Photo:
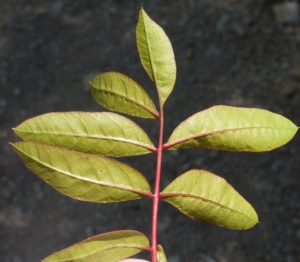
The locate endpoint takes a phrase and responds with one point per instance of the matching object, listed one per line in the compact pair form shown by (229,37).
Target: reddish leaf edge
(142,193)
(168,146)
(164,195)
(152,149)
(154,113)
(146,248)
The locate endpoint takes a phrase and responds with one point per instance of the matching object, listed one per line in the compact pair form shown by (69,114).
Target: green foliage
(70,151)
(108,247)
(120,93)
(234,129)
(83,176)
(103,133)
(156,54)
(208,198)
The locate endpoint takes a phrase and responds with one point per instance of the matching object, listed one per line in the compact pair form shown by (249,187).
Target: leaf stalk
(157,187)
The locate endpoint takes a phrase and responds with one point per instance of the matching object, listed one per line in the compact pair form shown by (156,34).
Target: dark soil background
(234,52)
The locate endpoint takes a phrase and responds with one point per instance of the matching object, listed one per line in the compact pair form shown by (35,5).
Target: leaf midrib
(162,195)
(82,178)
(168,145)
(155,114)
(104,249)
(129,141)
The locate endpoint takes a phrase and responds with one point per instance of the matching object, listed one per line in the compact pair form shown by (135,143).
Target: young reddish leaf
(104,133)
(118,92)
(108,247)
(82,176)
(161,256)
(156,54)
(233,129)
(208,198)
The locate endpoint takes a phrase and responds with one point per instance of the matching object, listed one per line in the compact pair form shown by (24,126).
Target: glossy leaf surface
(118,92)
(233,129)
(156,54)
(108,247)
(82,176)
(104,133)
(161,256)
(208,198)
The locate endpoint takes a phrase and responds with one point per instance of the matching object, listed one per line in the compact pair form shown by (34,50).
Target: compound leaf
(108,247)
(82,176)
(156,54)
(104,133)
(118,92)
(233,129)
(208,198)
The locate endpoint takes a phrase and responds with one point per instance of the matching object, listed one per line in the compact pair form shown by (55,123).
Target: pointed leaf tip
(156,54)
(233,129)
(208,198)
(109,247)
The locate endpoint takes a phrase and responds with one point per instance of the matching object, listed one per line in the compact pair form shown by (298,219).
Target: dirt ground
(233,52)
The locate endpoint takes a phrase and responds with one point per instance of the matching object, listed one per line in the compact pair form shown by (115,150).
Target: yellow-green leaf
(233,129)
(118,92)
(156,54)
(108,247)
(104,133)
(161,256)
(208,198)
(82,176)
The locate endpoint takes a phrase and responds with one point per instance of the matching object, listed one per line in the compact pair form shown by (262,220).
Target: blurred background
(232,52)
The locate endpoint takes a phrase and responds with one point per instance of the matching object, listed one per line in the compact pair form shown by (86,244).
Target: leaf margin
(189,175)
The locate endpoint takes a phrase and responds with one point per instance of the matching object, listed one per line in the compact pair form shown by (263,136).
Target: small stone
(40,11)
(3,103)
(3,134)
(234,2)
(89,231)
(174,259)
(222,23)
(16,259)
(164,224)
(185,167)
(174,153)
(290,258)
(286,12)
(213,154)
(239,29)
(57,7)
(17,91)
(296,221)
(199,161)
(206,258)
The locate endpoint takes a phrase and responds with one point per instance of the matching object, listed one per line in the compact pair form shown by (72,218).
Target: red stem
(156,187)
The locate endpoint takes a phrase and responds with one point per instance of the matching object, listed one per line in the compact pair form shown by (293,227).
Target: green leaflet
(208,198)
(156,54)
(118,92)
(233,129)
(104,133)
(161,256)
(108,247)
(82,176)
